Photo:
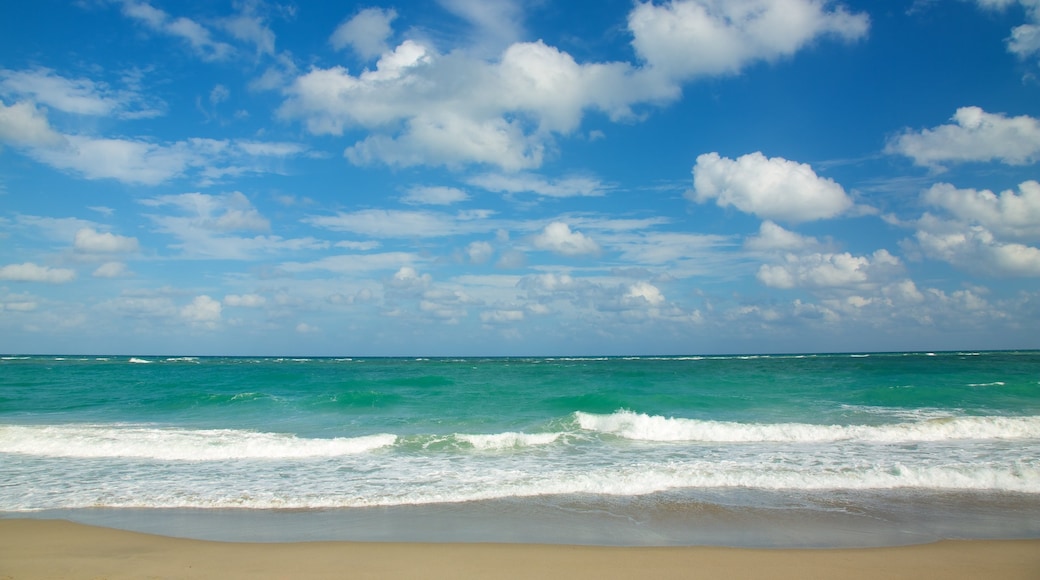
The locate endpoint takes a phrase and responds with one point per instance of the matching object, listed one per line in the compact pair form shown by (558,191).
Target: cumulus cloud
(974,248)
(773,238)
(829,270)
(1025,38)
(30,272)
(689,38)
(424,107)
(89,240)
(773,188)
(23,125)
(366,32)
(1009,214)
(479,252)
(643,293)
(203,311)
(110,270)
(558,238)
(981,231)
(975,135)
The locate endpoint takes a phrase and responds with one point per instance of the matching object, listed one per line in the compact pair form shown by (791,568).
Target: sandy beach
(61,549)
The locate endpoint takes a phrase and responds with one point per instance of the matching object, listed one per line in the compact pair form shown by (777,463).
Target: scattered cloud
(380,223)
(91,241)
(682,39)
(773,238)
(424,107)
(434,195)
(974,136)
(30,272)
(772,188)
(528,183)
(830,270)
(366,32)
(77,96)
(244,300)
(197,36)
(558,238)
(111,270)
(980,231)
(203,311)
(1025,38)
(23,125)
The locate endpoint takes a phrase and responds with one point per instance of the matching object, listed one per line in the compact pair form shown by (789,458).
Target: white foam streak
(508,440)
(91,441)
(642,427)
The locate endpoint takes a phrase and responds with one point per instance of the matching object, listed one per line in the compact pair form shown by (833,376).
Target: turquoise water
(639,439)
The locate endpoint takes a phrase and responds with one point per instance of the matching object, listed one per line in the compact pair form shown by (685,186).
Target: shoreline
(34,548)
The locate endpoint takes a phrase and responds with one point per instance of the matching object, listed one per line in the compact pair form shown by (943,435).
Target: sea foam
(643,427)
(176,444)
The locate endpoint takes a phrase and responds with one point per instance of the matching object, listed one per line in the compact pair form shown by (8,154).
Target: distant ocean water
(867,449)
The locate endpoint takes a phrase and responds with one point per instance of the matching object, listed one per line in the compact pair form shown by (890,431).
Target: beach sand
(60,549)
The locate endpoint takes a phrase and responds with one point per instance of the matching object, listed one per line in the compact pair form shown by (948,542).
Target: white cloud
(23,125)
(1008,214)
(353,263)
(974,248)
(225,213)
(829,270)
(980,231)
(557,237)
(203,310)
(773,238)
(529,183)
(495,23)
(249,27)
(304,328)
(147,163)
(77,96)
(1025,39)
(434,195)
(196,35)
(773,188)
(422,107)
(479,252)
(382,223)
(110,270)
(688,38)
(975,136)
(204,231)
(244,300)
(30,272)
(89,240)
(367,32)
(643,292)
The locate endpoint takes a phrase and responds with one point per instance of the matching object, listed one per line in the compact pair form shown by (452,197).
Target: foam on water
(640,426)
(96,441)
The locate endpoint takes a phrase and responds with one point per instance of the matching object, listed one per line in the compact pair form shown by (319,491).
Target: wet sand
(60,549)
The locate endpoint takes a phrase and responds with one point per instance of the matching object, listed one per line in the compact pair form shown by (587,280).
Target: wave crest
(643,427)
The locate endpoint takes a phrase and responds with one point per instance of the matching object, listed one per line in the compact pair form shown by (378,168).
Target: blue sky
(468,177)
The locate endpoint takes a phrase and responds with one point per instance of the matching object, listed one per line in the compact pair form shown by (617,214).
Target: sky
(510,177)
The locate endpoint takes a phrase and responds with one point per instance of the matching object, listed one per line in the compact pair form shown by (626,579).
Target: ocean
(772,450)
